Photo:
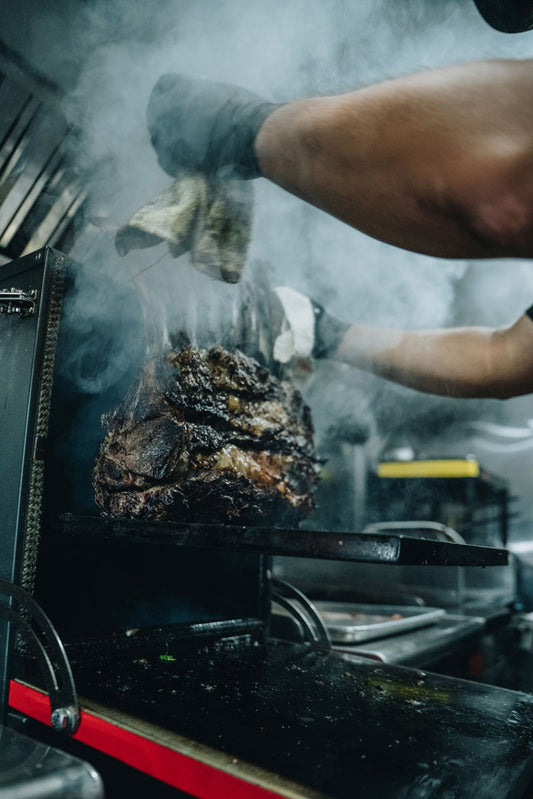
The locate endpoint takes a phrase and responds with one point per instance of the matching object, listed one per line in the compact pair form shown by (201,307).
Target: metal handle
(309,617)
(40,633)
(448,532)
(18,301)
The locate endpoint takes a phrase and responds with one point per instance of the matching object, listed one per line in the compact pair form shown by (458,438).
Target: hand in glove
(198,125)
(204,134)
(305,329)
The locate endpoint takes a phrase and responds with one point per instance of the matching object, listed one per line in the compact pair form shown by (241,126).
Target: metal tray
(352,623)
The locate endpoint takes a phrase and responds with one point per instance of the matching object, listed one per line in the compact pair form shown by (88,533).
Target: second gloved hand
(304,328)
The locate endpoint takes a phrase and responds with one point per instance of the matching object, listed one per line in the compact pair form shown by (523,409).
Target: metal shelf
(365,547)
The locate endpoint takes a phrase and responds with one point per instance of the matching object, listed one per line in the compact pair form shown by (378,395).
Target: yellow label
(438,468)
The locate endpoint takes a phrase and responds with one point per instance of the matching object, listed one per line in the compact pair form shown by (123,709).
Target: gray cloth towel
(210,218)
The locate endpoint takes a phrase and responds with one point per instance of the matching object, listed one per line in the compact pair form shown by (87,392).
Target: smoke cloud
(281,50)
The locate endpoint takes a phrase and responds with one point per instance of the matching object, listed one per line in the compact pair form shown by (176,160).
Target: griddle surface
(334,723)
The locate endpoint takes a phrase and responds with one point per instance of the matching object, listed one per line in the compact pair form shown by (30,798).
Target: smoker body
(167,627)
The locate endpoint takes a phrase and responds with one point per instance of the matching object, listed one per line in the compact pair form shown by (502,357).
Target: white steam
(281,49)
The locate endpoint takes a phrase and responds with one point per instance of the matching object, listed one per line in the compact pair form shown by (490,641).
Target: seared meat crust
(208,436)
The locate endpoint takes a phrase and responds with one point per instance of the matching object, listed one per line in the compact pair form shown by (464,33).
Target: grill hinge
(18,301)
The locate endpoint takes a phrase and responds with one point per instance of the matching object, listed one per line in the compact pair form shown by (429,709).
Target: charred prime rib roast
(208,436)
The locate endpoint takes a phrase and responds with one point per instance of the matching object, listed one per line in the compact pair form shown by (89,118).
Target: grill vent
(40,193)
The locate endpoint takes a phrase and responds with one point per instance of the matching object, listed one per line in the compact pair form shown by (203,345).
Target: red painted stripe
(181,771)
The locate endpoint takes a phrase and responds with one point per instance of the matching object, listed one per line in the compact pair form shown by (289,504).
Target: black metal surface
(20,347)
(301,543)
(21,351)
(331,722)
(115,591)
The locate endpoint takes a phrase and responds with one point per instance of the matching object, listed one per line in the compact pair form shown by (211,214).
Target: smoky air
(282,51)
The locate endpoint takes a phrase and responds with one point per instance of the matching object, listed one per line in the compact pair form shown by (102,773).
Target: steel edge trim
(182,771)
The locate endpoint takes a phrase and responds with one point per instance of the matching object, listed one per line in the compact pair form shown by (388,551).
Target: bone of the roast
(208,436)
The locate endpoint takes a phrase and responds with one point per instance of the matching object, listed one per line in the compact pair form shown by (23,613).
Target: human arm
(486,362)
(458,362)
(440,162)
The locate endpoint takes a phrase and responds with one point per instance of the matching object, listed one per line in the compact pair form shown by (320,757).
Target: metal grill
(40,194)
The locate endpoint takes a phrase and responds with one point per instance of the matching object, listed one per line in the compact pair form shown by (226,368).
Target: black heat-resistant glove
(329,332)
(198,125)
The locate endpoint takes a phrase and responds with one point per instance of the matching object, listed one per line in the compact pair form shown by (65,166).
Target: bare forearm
(458,362)
(440,163)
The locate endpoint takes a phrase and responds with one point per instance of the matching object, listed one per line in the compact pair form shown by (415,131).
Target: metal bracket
(446,532)
(18,301)
(40,633)
(297,604)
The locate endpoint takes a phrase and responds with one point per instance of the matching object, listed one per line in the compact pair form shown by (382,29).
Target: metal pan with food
(353,623)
